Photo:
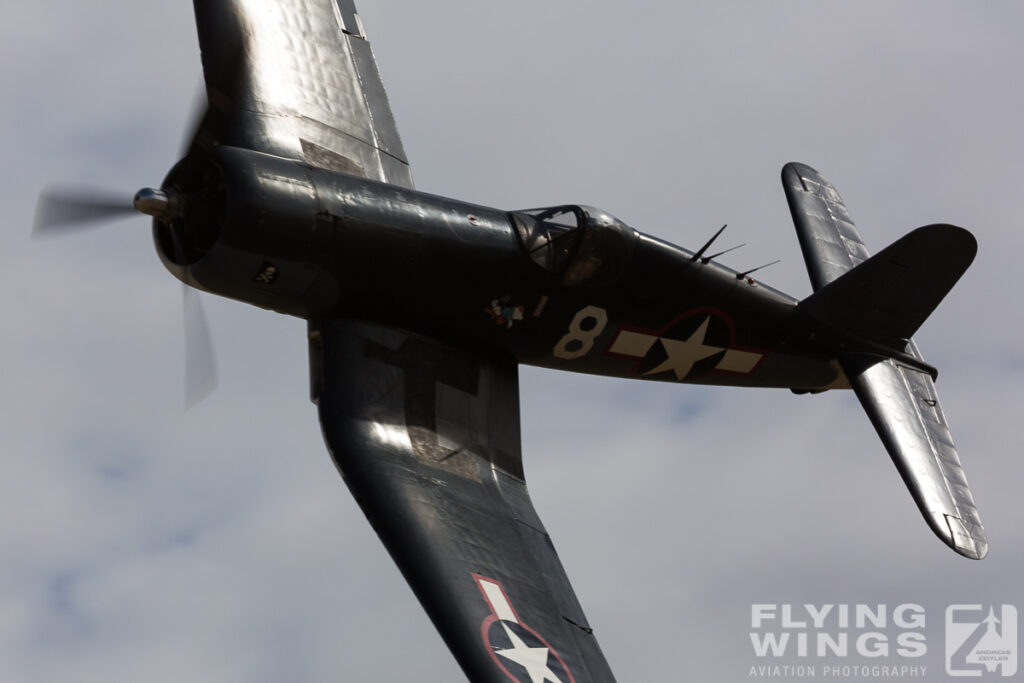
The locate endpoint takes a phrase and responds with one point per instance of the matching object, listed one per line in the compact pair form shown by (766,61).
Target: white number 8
(585,327)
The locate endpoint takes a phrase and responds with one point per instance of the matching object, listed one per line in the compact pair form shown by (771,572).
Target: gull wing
(426,435)
(309,87)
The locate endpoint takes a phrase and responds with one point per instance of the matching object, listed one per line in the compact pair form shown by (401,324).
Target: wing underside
(426,435)
(312,90)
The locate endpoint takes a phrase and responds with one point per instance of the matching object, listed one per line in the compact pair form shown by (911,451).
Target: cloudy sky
(139,542)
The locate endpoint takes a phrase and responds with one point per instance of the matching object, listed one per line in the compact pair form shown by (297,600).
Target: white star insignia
(683,354)
(533,659)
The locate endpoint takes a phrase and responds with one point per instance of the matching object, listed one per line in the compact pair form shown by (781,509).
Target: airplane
(295,195)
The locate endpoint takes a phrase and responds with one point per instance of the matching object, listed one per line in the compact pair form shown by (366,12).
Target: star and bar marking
(531,654)
(687,354)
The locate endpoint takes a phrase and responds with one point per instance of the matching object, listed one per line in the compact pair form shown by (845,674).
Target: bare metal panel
(905,411)
(382,120)
(890,295)
(350,18)
(830,242)
(327,159)
(311,77)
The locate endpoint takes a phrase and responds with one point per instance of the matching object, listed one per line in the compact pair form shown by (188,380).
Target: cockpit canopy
(550,236)
(583,244)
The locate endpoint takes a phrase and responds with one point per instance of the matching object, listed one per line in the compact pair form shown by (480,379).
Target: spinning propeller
(62,212)
(65,211)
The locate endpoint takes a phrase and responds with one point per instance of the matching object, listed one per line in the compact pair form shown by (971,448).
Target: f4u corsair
(295,195)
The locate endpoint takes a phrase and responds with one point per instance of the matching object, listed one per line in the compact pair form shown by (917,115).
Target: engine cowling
(250,226)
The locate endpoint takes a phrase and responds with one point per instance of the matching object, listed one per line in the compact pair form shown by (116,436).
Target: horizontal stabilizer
(888,296)
(905,411)
(876,303)
(828,238)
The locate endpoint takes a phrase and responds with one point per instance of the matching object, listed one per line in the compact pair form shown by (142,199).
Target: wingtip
(796,175)
(977,551)
(969,542)
(799,170)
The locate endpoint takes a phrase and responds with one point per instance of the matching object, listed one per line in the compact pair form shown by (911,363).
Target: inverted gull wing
(891,294)
(426,436)
(311,89)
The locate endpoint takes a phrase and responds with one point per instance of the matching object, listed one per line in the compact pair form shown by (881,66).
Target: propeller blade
(59,211)
(223,85)
(196,116)
(200,366)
